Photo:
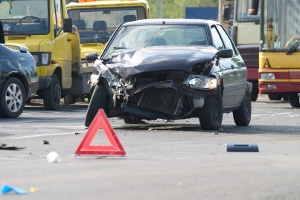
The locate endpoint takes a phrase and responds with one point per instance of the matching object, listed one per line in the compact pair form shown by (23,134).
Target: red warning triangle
(100,121)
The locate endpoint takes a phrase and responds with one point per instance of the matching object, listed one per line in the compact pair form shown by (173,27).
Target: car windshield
(97,24)
(141,36)
(25,17)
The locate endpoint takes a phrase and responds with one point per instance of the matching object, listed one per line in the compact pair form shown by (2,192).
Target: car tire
(52,94)
(131,119)
(13,98)
(98,101)
(294,100)
(211,115)
(242,115)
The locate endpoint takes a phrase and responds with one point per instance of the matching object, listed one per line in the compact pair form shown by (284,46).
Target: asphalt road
(163,160)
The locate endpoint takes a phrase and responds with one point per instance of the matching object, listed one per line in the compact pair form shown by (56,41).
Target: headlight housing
(42,58)
(201,82)
(267,76)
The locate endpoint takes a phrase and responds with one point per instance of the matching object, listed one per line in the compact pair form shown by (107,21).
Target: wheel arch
(22,78)
(58,72)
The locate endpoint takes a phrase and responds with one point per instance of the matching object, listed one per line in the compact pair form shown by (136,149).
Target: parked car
(18,79)
(171,69)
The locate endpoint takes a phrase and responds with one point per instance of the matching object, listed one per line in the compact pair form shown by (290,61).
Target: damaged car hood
(131,62)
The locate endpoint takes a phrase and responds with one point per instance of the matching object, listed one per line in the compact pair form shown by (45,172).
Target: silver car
(171,69)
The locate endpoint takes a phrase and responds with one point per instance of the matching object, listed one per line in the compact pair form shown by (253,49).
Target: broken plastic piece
(6,188)
(53,157)
(242,148)
(9,147)
(46,142)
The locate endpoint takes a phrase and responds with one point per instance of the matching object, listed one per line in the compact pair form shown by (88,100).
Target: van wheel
(12,99)
(69,99)
(211,115)
(242,115)
(274,96)
(52,94)
(294,100)
(254,92)
(98,101)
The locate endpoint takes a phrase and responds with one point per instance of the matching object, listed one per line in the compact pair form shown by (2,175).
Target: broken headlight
(201,82)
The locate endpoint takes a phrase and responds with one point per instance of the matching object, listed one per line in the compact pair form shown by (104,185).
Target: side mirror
(67,25)
(225,53)
(91,57)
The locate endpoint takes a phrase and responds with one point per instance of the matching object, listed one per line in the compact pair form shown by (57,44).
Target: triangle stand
(100,122)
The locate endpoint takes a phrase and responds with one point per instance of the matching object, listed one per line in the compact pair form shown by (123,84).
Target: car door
(239,68)
(227,69)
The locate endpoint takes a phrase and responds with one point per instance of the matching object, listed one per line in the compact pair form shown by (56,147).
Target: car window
(217,41)
(226,39)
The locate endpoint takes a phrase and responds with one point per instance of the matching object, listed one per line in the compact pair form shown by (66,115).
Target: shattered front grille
(163,100)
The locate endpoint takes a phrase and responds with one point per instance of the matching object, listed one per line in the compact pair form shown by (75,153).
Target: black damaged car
(18,79)
(171,69)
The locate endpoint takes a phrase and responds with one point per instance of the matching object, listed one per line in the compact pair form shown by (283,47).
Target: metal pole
(220,11)
(156,10)
(161,8)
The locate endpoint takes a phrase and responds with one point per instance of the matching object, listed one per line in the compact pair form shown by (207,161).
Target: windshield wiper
(102,39)
(105,60)
(293,48)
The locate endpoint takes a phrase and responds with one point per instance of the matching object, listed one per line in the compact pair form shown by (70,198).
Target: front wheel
(12,99)
(211,115)
(98,101)
(52,94)
(294,100)
(242,115)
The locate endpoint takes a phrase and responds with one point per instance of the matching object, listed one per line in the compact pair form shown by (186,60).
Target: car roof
(172,21)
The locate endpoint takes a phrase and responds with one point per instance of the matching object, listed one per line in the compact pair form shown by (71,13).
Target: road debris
(6,189)
(10,147)
(53,157)
(46,142)
(241,147)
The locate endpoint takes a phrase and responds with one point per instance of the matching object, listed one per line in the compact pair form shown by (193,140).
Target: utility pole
(159,9)
(220,11)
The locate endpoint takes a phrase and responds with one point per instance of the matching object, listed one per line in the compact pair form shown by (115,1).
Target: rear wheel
(254,92)
(294,100)
(242,115)
(211,114)
(274,96)
(52,94)
(12,98)
(98,101)
(69,99)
